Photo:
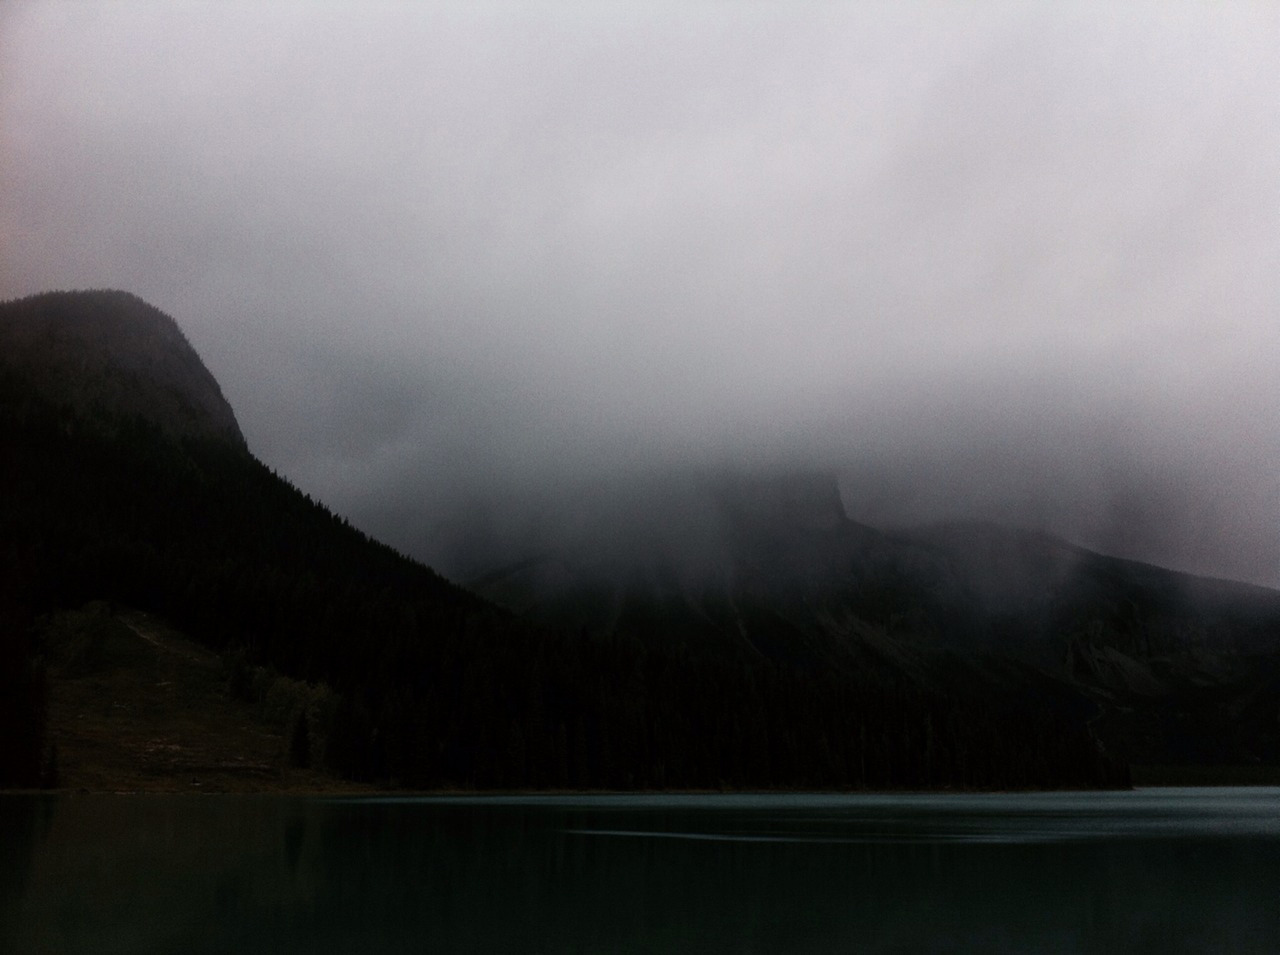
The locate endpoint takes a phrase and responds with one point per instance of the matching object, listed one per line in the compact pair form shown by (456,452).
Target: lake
(1156,870)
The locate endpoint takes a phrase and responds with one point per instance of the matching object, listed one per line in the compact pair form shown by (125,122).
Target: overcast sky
(1018,261)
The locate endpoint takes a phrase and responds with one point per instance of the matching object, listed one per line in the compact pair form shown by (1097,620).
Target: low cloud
(1002,261)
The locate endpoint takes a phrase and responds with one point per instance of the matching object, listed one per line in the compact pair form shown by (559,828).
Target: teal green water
(1150,871)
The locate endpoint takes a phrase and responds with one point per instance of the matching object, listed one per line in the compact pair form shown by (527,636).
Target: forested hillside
(430,685)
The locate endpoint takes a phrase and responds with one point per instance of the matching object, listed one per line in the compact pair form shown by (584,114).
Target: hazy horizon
(990,261)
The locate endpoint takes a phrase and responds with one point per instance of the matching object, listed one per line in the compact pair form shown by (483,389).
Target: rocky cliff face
(108,354)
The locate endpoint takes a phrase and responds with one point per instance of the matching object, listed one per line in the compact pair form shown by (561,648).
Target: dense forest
(411,681)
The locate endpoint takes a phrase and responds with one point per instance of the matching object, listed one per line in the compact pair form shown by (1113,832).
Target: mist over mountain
(548,298)
(998,263)
(384,671)
(690,627)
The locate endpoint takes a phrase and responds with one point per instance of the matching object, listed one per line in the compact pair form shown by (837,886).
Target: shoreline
(480,794)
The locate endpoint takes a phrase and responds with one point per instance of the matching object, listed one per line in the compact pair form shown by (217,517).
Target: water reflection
(1162,871)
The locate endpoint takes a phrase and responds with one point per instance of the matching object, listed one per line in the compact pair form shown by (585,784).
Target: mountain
(126,490)
(108,354)
(1166,667)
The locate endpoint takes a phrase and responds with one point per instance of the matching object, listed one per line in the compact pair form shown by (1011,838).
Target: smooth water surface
(1162,870)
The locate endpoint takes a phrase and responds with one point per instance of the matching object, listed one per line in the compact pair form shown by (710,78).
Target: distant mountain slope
(121,480)
(108,353)
(1042,581)
(1174,668)
(783,540)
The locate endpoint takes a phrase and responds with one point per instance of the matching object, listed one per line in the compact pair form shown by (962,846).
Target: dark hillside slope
(428,684)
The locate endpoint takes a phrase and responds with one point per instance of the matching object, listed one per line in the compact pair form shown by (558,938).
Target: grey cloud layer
(999,260)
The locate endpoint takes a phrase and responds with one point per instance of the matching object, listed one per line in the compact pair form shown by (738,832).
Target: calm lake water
(1158,870)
